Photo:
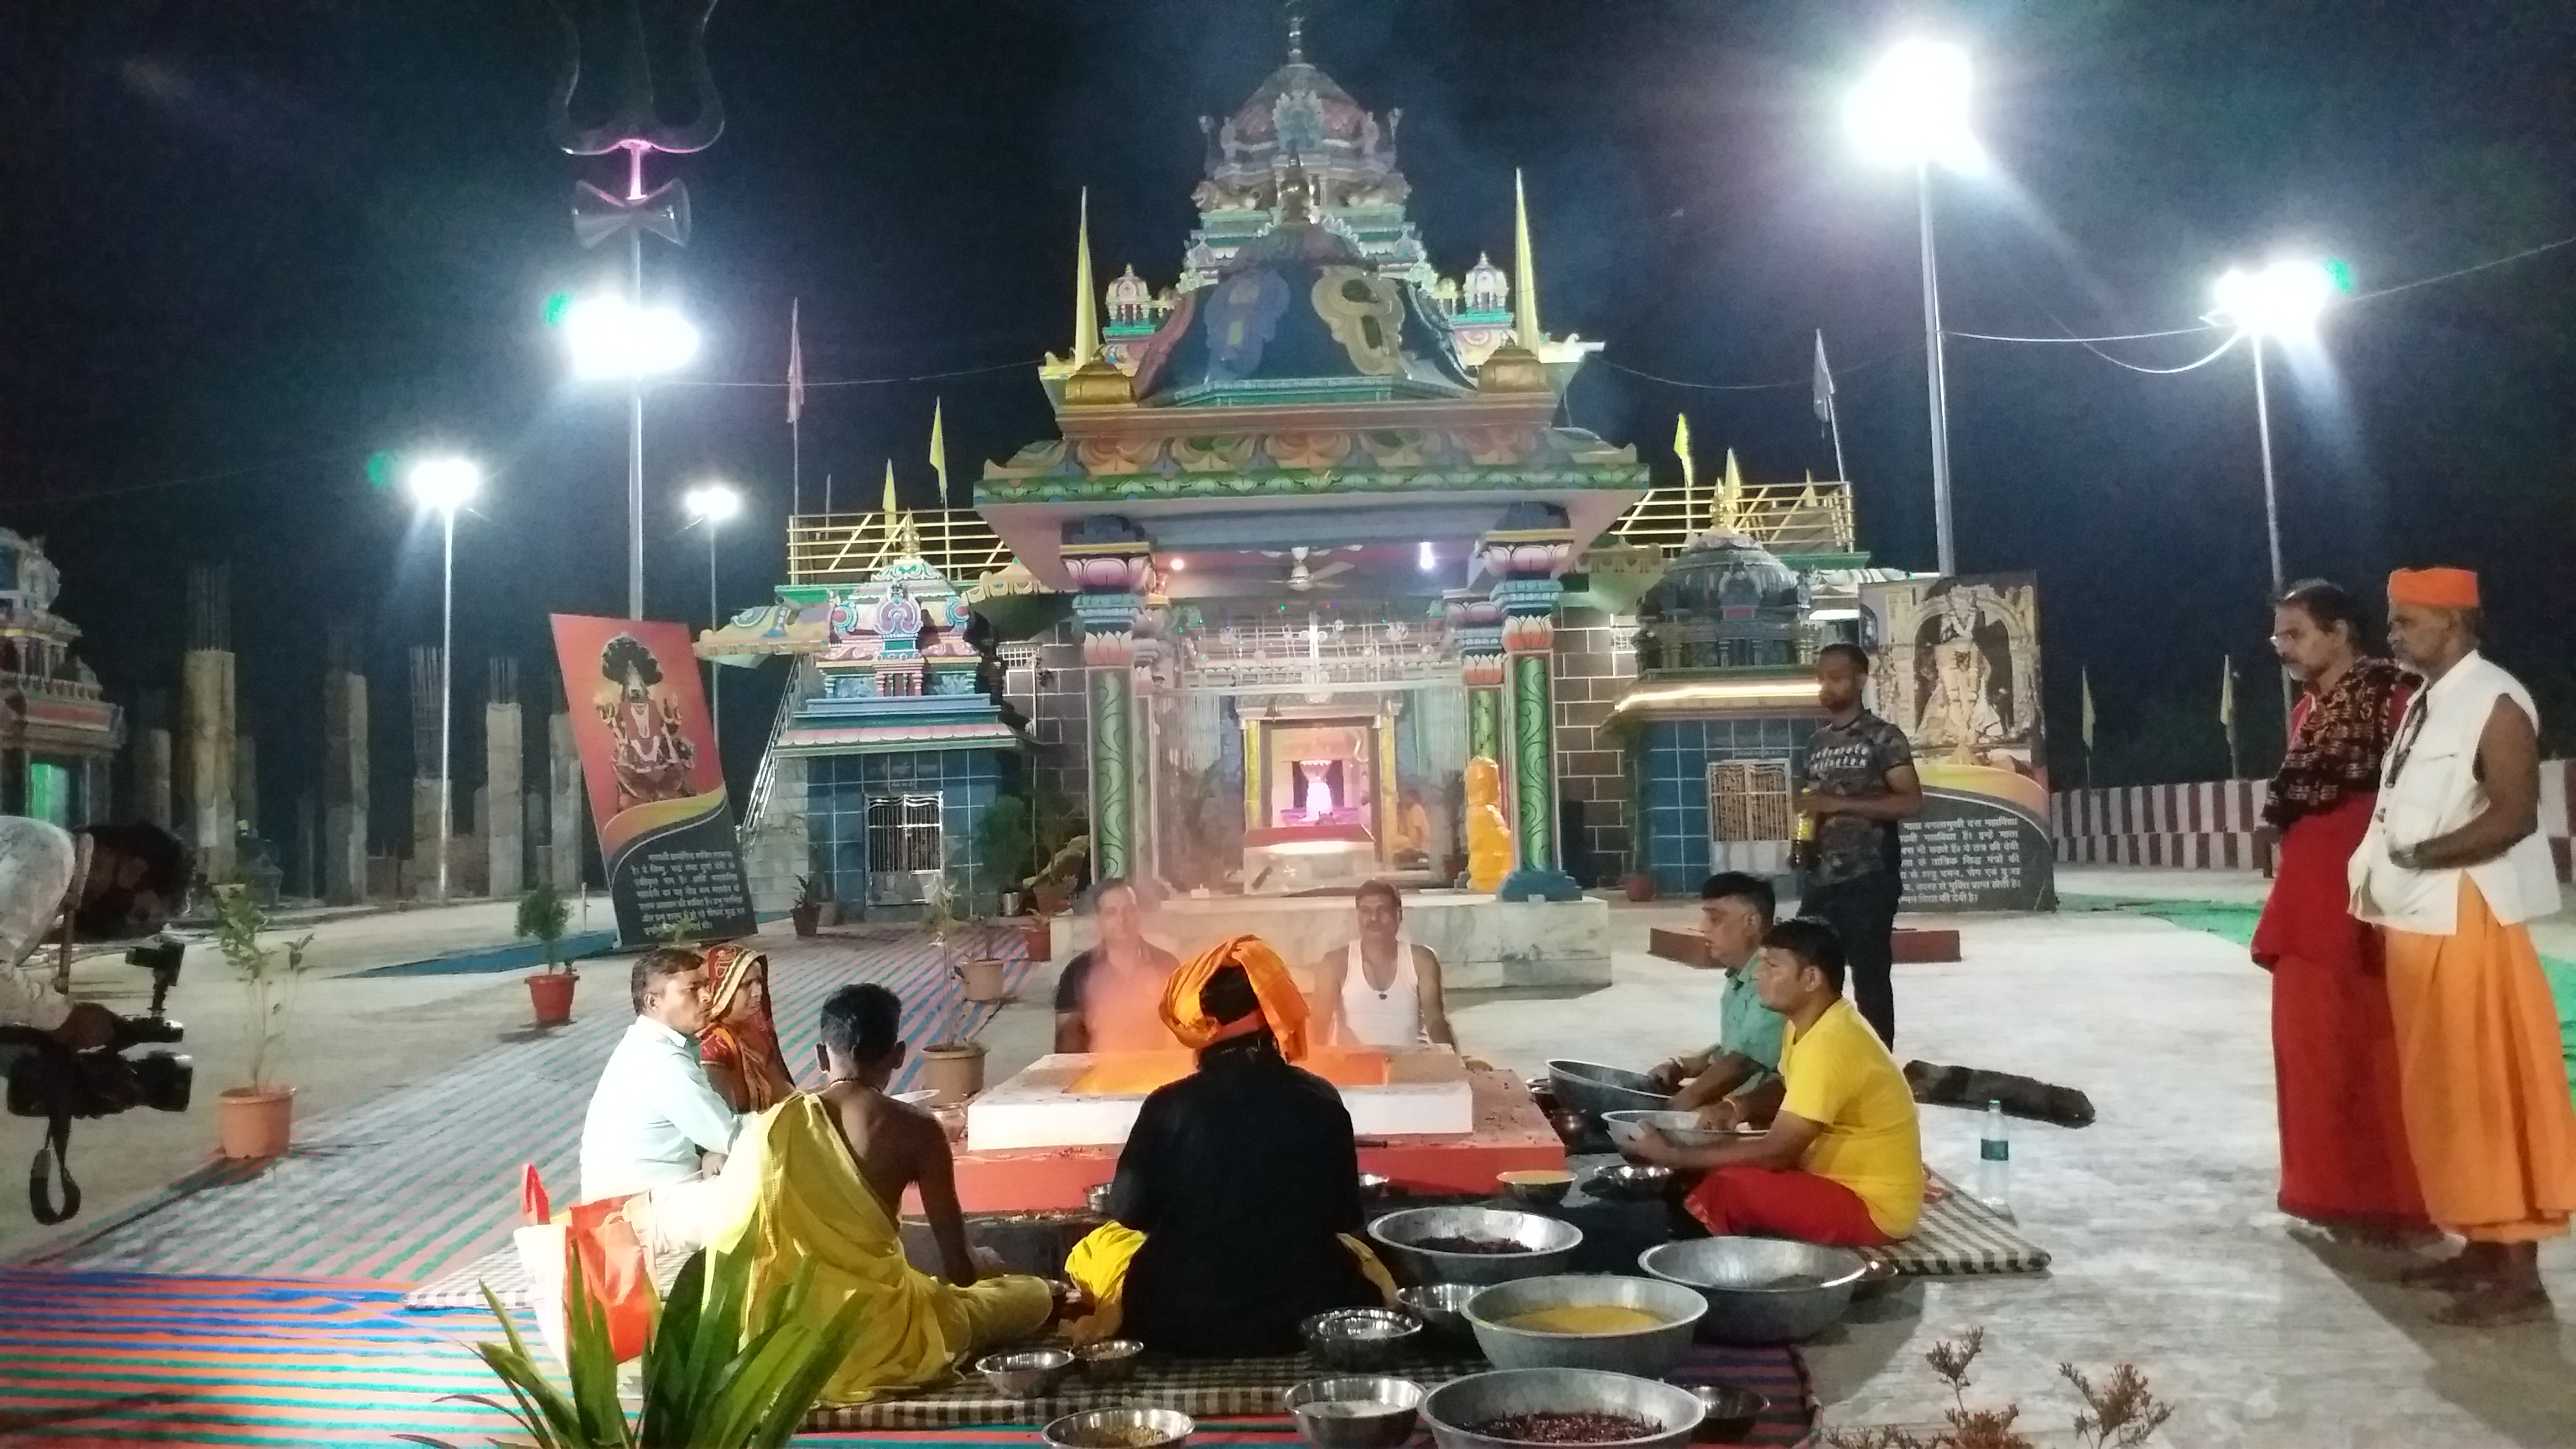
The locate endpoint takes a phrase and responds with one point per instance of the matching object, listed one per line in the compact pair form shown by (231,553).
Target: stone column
(504,753)
(152,761)
(1113,567)
(344,785)
(1524,559)
(246,780)
(565,821)
(1475,625)
(206,822)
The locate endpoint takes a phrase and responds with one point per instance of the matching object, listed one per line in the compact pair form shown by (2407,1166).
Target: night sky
(245,247)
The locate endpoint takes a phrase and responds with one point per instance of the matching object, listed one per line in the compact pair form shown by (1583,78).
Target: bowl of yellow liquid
(1638,1326)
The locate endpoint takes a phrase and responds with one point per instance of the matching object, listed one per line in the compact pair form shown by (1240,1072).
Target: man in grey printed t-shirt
(1859,782)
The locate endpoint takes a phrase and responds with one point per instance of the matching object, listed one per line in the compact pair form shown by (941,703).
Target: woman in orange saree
(739,1043)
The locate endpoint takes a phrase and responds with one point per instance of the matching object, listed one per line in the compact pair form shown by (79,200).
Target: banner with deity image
(657,795)
(1958,670)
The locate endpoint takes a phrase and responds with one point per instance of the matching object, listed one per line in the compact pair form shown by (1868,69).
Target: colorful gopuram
(58,737)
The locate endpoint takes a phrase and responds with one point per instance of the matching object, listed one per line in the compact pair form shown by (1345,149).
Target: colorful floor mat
(399,1189)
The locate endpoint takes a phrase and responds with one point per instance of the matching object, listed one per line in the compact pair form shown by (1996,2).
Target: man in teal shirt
(1737,1081)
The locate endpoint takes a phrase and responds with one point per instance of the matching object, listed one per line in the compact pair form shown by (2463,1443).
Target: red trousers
(1766,1202)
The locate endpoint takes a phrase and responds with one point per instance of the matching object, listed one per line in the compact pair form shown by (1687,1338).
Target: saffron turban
(2434,588)
(1283,1006)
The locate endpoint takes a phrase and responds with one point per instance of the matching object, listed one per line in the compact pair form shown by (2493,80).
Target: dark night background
(244,247)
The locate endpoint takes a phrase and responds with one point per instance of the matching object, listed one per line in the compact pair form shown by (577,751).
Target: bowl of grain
(1586,1320)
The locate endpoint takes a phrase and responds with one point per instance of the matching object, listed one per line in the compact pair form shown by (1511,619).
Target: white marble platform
(1481,942)
(1426,1095)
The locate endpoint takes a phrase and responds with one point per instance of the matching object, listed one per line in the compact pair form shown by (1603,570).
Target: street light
(613,336)
(445,485)
(1912,109)
(711,504)
(2281,301)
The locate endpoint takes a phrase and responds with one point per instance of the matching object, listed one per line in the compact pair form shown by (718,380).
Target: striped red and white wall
(2218,824)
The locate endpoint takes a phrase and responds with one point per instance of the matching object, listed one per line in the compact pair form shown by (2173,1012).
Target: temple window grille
(1748,800)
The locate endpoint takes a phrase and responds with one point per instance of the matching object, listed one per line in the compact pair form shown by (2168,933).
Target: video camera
(49,1080)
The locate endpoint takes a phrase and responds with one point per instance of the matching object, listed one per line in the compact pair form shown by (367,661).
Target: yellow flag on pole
(2227,692)
(1681,449)
(2088,708)
(888,507)
(939,454)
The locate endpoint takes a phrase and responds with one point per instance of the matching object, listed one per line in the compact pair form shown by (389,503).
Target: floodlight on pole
(1911,109)
(711,504)
(444,485)
(614,336)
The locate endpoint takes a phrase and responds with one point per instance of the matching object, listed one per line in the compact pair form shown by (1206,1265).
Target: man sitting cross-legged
(1737,1081)
(823,1176)
(1842,1163)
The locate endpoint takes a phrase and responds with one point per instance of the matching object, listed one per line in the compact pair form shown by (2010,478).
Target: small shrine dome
(1724,602)
(1488,290)
(29,582)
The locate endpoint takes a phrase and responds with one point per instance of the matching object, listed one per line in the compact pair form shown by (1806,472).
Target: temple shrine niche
(58,735)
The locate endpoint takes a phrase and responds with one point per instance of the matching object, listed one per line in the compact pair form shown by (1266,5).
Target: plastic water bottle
(1994,1162)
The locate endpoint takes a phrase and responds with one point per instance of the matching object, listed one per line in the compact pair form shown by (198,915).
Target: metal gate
(907,848)
(1748,815)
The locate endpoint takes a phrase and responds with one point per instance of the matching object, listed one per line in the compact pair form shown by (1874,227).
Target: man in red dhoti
(2344,1164)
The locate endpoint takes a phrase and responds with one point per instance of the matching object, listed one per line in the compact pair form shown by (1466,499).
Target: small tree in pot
(257,1120)
(543,916)
(807,914)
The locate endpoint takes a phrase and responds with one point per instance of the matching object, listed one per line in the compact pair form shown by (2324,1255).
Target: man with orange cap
(2452,866)
(1238,1194)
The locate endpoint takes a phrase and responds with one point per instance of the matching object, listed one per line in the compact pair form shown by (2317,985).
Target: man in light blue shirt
(654,1111)
(1736,1081)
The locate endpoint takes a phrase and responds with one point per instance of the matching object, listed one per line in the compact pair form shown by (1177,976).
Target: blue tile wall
(838,786)
(1674,784)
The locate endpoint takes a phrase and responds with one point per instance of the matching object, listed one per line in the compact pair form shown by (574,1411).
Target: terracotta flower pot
(252,1123)
(1037,938)
(953,1069)
(1641,888)
(983,978)
(551,993)
(806,919)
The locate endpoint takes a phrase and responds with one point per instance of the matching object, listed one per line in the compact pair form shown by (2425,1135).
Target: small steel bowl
(1124,1428)
(1374,1186)
(1630,1182)
(1442,1307)
(1355,1413)
(1110,1361)
(1098,1200)
(1537,1188)
(1029,1373)
(918,1097)
(1360,1340)
(1572,1128)
(1731,1412)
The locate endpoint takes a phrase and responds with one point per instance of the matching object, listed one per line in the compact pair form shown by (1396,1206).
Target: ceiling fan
(1301,577)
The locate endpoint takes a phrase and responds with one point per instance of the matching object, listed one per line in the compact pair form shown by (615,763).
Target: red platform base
(1510,1136)
(1914,945)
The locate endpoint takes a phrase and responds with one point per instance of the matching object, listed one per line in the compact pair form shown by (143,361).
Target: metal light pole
(446,484)
(614,335)
(635,435)
(2283,300)
(711,504)
(1912,109)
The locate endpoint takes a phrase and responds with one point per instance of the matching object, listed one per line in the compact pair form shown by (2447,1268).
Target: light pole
(2282,301)
(617,336)
(1912,109)
(445,485)
(711,504)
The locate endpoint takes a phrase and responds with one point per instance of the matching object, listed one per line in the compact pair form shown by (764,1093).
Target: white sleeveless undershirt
(1389,1018)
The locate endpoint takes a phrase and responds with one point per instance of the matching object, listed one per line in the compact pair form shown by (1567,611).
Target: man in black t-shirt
(1859,783)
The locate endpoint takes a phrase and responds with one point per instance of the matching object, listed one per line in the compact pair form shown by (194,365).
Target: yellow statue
(1489,839)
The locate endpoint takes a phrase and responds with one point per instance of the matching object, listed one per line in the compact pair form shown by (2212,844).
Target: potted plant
(807,914)
(543,915)
(713,1377)
(257,1120)
(953,1066)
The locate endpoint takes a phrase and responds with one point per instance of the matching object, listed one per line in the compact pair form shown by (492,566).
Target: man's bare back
(896,1146)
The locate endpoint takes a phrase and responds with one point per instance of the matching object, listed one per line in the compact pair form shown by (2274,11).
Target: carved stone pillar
(1524,562)
(1113,568)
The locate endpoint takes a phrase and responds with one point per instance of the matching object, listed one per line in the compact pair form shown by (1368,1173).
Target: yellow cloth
(811,1206)
(2481,1078)
(1840,1077)
(1283,1006)
(1098,1266)
(1489,837)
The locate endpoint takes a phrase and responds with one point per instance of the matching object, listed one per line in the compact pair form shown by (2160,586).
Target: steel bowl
(1360,1340)
(1029,1373)
(1647,1352)
(1453,1409)
(1537,1188)
(1595,1088)
(1549,1244)
(1098,1200)
(1731,1412)
(1572,1128)
(1629,1182)
(1123,1428)
(1626,1129)
(1355,1413)
(1374,1186)
(918,1097)
(1442,1307)
(1110,1361)
(1742,1279)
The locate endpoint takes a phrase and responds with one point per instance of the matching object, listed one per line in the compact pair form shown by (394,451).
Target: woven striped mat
(1958,1236)
(426,1179)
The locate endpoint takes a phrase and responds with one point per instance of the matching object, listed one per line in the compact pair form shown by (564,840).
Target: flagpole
(1832,406)
(796,409)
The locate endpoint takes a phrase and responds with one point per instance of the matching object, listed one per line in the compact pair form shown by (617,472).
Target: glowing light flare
(609,337)
(444,484)
(2283,299)
(711,503)
(1426,558)
(1912,108)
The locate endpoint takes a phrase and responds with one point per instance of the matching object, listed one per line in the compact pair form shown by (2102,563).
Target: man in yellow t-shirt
(1842,1163)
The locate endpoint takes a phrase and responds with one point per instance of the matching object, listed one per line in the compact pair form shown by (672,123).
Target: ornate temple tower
(57,735)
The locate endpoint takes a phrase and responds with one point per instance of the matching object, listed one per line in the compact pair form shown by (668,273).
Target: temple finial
(1525,282)
(1086,310)
(1296,32)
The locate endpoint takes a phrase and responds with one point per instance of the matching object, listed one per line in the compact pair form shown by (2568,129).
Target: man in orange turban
(1236,1207)
(2451,868)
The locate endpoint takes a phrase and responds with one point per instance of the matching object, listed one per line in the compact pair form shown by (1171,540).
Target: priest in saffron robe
(2451,869)
(2344,1163)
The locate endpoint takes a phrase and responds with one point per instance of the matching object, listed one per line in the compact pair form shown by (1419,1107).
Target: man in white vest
(2452,867)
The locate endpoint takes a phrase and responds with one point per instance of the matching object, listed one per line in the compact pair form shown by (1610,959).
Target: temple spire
(1296,32)
(1524,268)
(1086,308)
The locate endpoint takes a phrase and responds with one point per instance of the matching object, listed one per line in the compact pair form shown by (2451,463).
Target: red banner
(657,795)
